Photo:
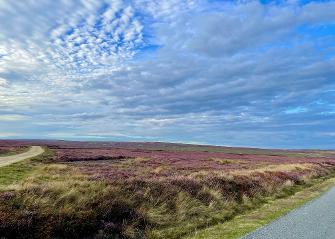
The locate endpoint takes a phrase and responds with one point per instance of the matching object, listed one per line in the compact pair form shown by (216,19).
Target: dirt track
(32,152)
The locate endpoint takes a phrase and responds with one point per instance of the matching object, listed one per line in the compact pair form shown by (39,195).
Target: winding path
(32,152)
(315,220)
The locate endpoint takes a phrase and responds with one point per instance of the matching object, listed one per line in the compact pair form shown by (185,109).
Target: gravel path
(315,220)
(32,152)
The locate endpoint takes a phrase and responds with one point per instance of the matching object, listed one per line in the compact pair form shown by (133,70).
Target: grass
(16,172)
(271,210)
(43,199)
(227,161)
(275,168)
(65,204)
(70,205)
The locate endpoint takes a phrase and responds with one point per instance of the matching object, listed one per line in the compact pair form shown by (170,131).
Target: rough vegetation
(145,190)
(9,149)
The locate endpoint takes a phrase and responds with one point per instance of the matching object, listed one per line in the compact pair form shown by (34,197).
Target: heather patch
(143,193)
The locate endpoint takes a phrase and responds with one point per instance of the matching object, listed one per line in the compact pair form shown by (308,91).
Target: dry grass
(273,209)
(276,168)
(46,199)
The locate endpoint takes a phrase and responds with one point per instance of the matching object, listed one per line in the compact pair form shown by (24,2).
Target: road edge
(12,159)
(243,224)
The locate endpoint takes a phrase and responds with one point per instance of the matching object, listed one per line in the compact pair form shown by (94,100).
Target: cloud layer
(217,72)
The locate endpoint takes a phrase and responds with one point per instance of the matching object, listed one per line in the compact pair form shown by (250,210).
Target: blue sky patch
(240,73)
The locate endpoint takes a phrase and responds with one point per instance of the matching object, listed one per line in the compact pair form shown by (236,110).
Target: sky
(236,73)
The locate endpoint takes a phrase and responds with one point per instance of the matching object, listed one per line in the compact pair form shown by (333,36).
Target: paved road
(32,152)
(315,220)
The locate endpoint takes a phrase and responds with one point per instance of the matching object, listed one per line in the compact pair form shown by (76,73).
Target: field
(145,190)
(9,148)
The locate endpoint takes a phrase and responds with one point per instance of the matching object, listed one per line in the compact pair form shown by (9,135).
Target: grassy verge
(274,208)
(16,172)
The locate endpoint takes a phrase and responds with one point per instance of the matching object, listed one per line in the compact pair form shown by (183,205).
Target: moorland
(144,190)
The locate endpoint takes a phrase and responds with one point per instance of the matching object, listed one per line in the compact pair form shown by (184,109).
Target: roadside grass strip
(16,172)
(273,209)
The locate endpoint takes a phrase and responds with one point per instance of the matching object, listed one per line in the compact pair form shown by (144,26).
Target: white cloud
(7,134)
(13,117)
(3,82)
(159,68)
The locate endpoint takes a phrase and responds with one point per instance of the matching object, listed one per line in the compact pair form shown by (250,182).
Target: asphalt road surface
(315,220)
(32,152)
